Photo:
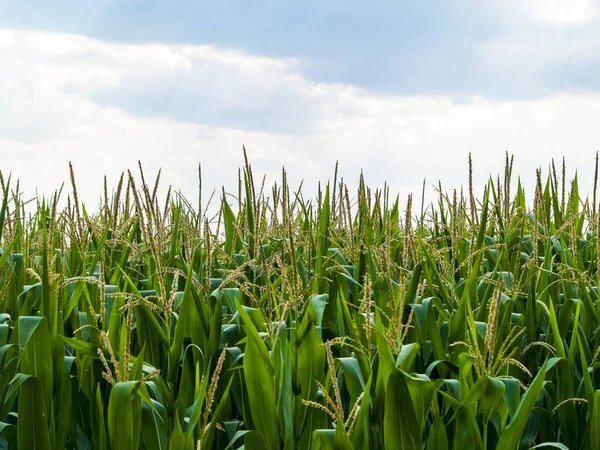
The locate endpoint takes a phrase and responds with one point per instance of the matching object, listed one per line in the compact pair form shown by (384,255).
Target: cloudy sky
(401,89)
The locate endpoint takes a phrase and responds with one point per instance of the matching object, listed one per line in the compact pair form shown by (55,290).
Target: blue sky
(294,28)
(301,83)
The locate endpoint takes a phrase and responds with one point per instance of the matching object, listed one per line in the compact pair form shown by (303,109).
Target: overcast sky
(401,89)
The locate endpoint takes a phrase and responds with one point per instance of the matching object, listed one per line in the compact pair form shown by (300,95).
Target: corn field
(347,321)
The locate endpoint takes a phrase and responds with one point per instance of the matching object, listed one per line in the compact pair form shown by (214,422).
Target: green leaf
(259,377)
(511,436)
(253,440)
(124,416)
(98,423)
(154,426)
(550,444)
(32,424)
(177,440)
(323,440)
(401,424)
(595,423)
(34,341)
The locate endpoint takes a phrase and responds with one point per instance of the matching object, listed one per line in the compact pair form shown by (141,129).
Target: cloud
(557,12)
(106,105)
(504,49)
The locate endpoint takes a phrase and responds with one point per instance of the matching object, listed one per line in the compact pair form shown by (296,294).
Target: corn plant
(347,321)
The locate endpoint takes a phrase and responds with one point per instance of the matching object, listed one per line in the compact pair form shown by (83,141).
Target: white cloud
(545,46)
(65,99)
(560,12)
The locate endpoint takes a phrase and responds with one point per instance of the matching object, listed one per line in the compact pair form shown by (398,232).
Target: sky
(401,90)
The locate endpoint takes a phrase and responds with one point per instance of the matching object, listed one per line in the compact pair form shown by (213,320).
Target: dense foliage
(291,323)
